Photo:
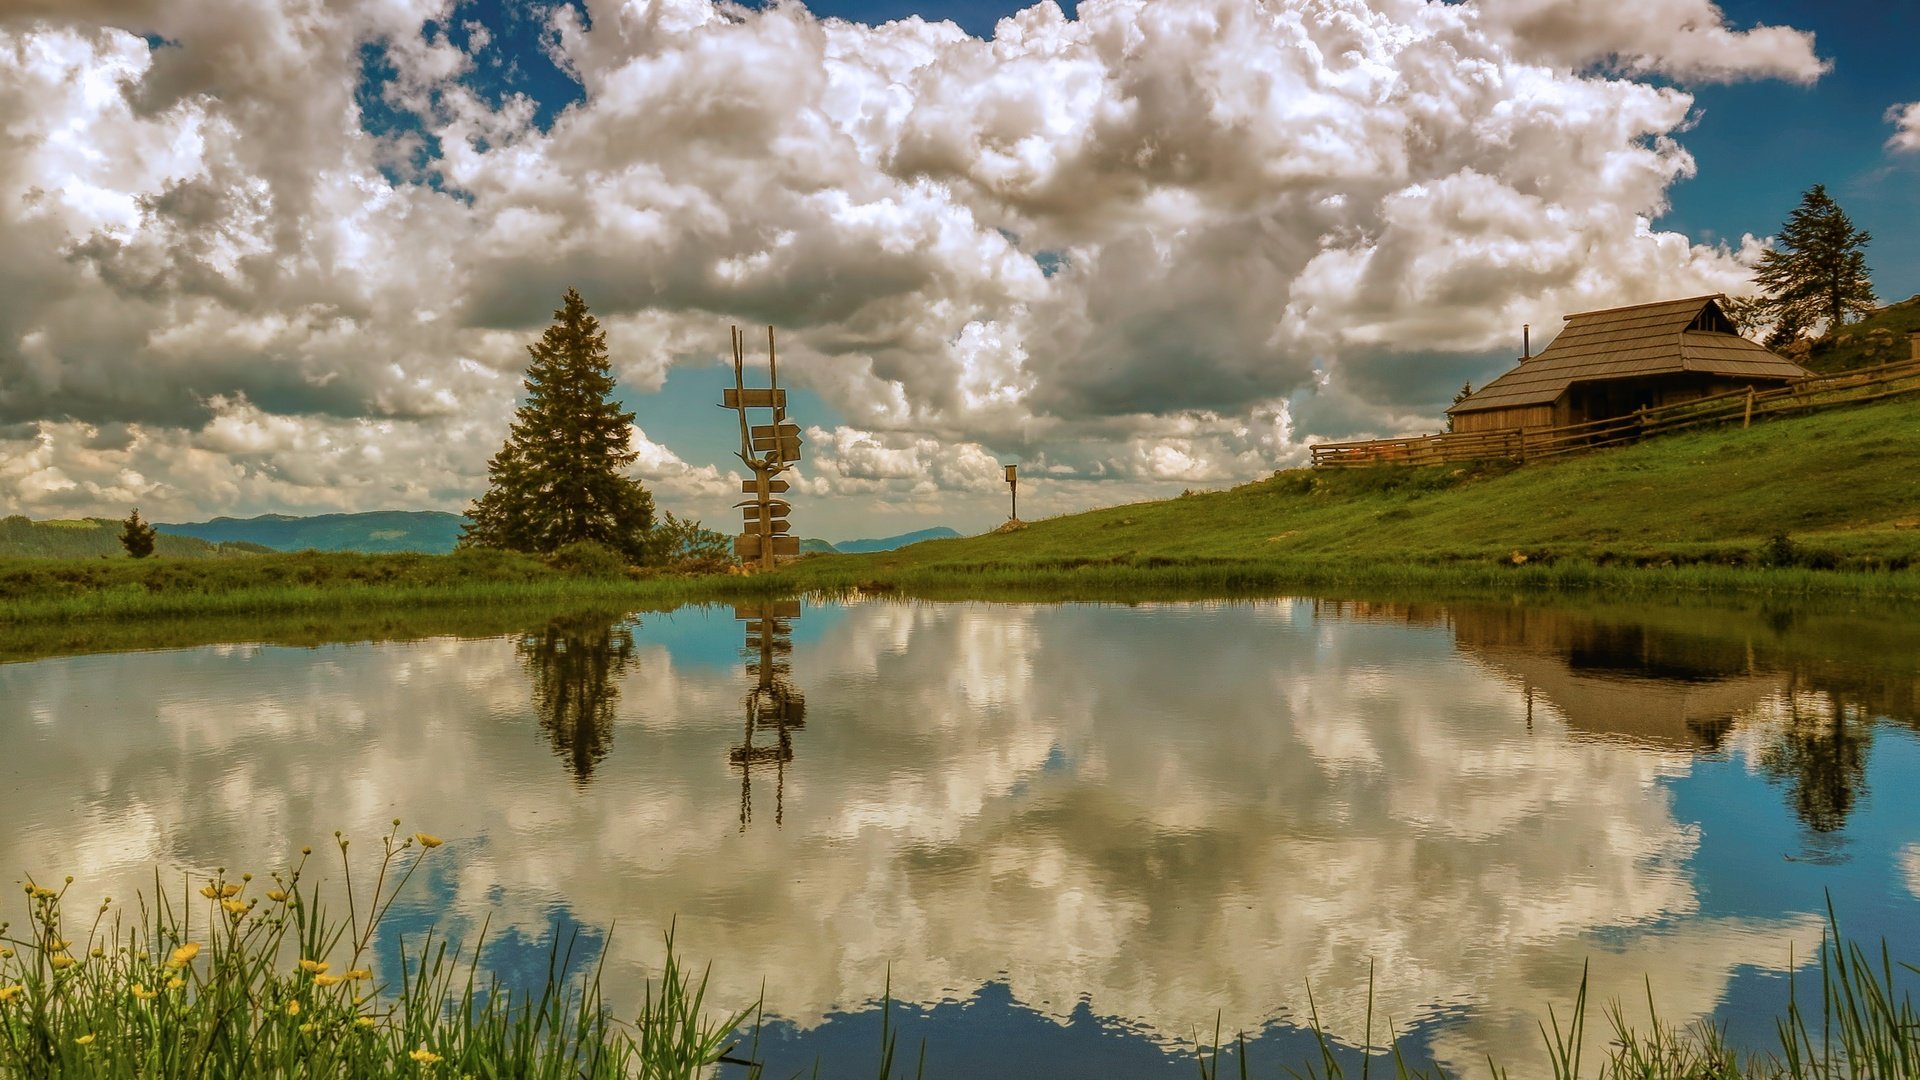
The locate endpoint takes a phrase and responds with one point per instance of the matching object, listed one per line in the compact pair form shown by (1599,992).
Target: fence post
(1747,421)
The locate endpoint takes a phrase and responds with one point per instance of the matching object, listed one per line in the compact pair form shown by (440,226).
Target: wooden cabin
(1607,364)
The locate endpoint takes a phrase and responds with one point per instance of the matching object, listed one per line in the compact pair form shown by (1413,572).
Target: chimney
(1526,342)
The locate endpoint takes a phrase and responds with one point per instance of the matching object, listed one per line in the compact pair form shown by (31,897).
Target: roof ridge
(1703,298)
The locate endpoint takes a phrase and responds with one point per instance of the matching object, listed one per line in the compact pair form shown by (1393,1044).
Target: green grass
(1778,508)
(239,978)
(310,583)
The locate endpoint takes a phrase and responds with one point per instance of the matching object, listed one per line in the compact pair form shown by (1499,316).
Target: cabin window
(1712,320)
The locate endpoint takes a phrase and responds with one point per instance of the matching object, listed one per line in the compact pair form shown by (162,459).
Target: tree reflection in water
(1668,688)
(576,663)
(1821,754)
(775,708)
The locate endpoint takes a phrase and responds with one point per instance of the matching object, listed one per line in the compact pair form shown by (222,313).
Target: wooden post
(1013,490)
(1747,420)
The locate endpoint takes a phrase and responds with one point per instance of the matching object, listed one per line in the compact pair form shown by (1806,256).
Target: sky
(287,255)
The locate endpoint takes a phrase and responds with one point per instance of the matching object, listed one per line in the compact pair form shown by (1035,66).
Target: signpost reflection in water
(774,706)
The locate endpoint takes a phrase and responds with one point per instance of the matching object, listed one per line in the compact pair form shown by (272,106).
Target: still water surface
(1071,835)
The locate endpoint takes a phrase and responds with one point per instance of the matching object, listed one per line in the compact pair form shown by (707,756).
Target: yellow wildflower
(364,1021)
(62,963)
(6,954)
(278,896)
(424,1056)
(328,980)
(428,840)
(55,946)
(360,973)
(306,1029)
(184,955)
(210,891)
(143,993)
(234,907)
(229,890)
(176,983)
(96,952)
(8,993)
(293,1008)
(84,1040)
(313,965)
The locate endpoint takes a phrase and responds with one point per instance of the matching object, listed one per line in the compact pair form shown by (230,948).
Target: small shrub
(584,558)
(686,546)
(1780,550)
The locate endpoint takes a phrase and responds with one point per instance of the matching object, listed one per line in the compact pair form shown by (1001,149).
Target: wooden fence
(1530,444)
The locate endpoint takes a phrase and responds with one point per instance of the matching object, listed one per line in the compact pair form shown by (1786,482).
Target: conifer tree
(557,480)
(1465,392)
(136,535)
(1816,273)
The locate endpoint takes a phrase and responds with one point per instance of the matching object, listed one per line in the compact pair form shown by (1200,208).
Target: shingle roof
(1629,342)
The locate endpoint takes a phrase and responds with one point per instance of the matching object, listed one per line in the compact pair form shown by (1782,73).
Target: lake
(1068,838)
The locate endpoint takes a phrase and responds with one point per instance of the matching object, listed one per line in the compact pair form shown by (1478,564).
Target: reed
(239,978)
(1867,1028)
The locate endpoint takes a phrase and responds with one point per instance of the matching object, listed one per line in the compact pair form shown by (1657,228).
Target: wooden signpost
(1013,491)
(767,449)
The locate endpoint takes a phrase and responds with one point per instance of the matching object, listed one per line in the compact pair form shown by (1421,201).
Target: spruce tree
(557,480)
(1816,274)
(136,535)
(1465,392)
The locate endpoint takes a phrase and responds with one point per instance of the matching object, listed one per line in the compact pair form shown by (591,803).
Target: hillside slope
(1880,338)
(430,531)
(94,538)
(1841,486)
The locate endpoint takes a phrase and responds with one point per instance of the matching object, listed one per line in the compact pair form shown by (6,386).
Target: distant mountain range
(431,531)
(888,543)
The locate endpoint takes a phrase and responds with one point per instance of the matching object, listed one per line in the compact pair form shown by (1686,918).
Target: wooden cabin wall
(1523,416)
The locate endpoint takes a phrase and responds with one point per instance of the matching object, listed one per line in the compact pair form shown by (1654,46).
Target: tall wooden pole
(1013,490)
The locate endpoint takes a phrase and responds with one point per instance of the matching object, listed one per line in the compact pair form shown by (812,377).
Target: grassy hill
(1836,489)
(430,531)
(94,538)
(1880,338)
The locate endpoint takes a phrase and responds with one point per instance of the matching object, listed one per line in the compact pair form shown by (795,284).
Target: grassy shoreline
(1825,505)
(49,592)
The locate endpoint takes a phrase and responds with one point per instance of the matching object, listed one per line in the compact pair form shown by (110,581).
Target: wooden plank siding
(1524,416)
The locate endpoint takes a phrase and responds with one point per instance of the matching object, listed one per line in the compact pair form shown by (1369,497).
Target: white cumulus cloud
(1906,127)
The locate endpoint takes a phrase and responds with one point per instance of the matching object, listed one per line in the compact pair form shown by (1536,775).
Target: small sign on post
(1013,490)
